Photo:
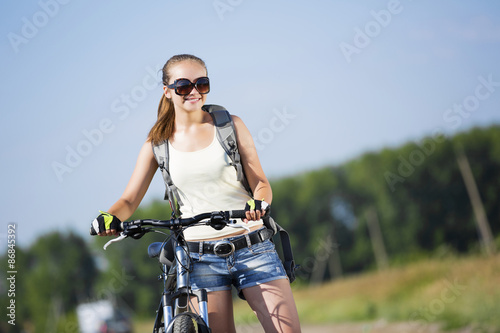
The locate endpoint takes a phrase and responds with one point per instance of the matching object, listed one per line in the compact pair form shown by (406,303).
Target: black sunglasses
(184,87)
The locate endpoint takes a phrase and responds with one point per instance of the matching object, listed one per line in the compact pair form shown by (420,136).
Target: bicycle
(176,312)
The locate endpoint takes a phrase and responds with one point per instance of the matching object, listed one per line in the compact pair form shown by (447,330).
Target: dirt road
(375,327)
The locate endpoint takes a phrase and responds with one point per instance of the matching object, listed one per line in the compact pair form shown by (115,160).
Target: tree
(59,271)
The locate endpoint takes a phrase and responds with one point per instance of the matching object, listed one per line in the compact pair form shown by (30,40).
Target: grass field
(455,292)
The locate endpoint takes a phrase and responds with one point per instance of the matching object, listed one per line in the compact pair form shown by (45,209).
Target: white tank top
(207,182)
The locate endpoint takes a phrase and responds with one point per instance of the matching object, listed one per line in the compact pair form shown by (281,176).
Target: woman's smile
(192,99)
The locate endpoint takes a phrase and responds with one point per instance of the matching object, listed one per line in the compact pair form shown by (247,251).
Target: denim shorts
(244,268)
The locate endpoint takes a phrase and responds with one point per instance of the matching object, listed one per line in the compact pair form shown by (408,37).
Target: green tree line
(415,193)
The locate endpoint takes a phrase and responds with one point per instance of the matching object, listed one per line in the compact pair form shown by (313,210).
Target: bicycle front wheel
(184,324)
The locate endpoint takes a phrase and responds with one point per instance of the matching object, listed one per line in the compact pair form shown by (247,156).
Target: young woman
(201,170)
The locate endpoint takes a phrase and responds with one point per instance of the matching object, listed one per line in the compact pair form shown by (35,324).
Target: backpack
(226,136)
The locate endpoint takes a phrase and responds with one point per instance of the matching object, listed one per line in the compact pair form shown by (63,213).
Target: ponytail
(164,127)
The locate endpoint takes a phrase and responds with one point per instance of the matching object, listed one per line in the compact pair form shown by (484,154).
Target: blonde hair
(164,127)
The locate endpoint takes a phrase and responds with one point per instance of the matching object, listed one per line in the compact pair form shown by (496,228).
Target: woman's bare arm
(251,164)
(138,184)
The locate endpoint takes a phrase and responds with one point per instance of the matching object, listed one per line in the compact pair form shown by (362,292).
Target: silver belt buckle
(223,248)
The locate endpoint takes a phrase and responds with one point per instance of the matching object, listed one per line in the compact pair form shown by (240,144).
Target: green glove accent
(256,205)
(108,219)
(251,204)
(105,221)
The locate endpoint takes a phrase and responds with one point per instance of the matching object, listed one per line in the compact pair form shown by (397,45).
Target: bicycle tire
(184,324)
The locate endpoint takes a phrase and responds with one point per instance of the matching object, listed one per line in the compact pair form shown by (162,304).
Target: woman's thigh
(274,305)
(220,311)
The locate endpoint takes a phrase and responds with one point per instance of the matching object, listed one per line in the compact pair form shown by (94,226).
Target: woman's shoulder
(238,122)
(239,125)
(243,135)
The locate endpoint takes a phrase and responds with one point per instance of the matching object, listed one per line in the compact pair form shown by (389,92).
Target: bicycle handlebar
(218,220)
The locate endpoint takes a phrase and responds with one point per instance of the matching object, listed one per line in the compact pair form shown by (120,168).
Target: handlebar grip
(238,214)
(94,233)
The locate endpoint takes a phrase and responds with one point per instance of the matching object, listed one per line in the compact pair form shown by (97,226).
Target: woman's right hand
(106,224)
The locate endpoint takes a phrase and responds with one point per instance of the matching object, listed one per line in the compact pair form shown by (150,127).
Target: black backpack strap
(226,134)
(171,191)
(286,246)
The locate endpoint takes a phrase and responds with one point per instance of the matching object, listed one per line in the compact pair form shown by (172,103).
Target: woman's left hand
(255,210)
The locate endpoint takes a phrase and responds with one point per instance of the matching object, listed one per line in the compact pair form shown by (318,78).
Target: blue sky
(317,83)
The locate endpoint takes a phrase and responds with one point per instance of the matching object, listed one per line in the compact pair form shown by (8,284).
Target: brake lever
(114,240)
(232,224)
